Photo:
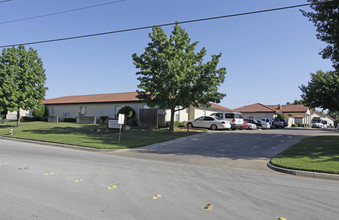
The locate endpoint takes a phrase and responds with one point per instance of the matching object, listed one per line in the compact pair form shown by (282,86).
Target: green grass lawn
(320,154)
(85,135)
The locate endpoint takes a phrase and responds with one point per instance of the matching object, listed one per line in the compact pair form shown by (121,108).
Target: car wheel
(214,127)
(240,128)
(234,128)
(190,125)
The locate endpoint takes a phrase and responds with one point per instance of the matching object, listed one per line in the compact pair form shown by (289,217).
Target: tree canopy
(173,76)
(22,79)
(326,19)
(296,102)
(322,91)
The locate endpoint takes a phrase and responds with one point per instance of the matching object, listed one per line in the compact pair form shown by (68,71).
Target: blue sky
(267,56)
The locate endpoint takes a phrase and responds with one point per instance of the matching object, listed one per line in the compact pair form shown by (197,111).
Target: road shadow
(228,145)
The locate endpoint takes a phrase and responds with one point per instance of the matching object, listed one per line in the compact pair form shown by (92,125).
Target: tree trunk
(19,118)
(172,120)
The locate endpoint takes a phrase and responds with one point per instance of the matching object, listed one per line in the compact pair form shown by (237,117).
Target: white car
(251,126)
(234,118)
(211,122)
(266,123)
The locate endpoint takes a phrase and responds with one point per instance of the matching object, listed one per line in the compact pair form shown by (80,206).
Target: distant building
(295,114)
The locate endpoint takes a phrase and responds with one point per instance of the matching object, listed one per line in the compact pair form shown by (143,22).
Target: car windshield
(316,121)
(237,115)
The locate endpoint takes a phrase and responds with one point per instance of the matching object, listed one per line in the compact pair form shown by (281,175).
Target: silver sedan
(211,122)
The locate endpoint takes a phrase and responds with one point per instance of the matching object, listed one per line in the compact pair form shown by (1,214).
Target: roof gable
(219,107)
(294,108)
(257,107)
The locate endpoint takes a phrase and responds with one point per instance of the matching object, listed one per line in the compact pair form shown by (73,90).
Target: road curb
(303,172)
(75,147)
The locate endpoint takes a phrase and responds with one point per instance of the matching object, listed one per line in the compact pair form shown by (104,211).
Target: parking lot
(245,149)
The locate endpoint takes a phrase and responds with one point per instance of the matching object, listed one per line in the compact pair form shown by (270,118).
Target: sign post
(121,121)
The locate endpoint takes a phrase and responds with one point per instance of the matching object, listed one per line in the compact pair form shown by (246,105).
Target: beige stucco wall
(181,115)
(204,112)
(23,113)
(97,110)
(184,115)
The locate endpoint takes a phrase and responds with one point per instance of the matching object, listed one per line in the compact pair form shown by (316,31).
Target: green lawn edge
(86,135)
(316,154)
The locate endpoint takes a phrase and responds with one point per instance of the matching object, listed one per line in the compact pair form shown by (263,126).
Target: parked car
(245,125)
(266,123)
(211,122)
(260,124)
(280,123)
(251,126)
(234,118)
(268,120)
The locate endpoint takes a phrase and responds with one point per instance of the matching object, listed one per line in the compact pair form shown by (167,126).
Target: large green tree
(173,76)
(322,91)
(326,19)
(22,79)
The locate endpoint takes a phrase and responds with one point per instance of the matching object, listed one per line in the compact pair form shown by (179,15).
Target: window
(208,119)
(200,118)
(220,115)
(229,115)
(82,110)
(237,115)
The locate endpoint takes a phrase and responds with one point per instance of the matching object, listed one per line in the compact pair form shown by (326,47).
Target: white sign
(121,119)
(113,124)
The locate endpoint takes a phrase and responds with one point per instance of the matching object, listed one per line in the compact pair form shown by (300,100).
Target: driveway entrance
(227,149)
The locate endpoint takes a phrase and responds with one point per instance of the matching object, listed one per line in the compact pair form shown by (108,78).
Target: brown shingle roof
(106,98)
(99,98)
(257,107)
(215,106)
(290,108)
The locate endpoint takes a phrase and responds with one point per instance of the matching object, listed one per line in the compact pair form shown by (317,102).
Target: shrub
(179,124)
(281,116)
(25,118)
(103,118)
(127,111)
(135,122)
(39,111)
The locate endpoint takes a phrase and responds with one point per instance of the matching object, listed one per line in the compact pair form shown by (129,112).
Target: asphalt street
(45,182)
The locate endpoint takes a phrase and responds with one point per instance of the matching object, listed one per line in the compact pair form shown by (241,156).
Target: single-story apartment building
(295,114)
(110,104)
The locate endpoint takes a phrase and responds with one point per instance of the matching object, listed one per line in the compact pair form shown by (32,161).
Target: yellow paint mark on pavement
(208,206)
